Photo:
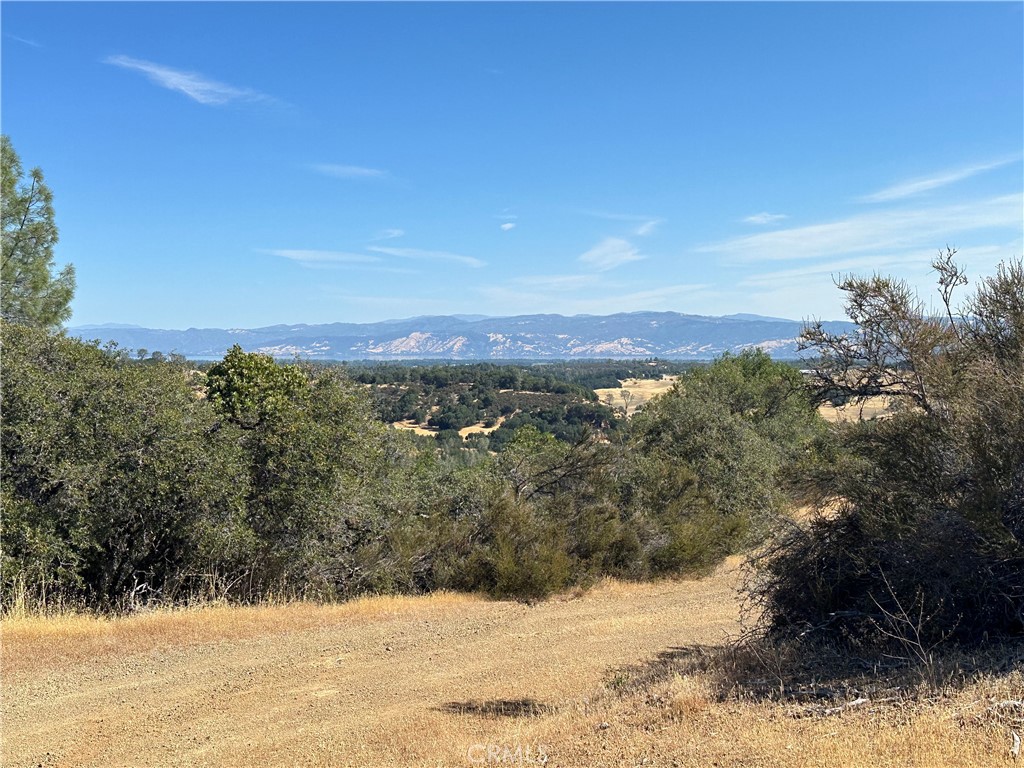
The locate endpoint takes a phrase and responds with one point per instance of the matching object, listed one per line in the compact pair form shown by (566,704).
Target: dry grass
(635,392)
(620,675)
(32,642)
(415,426)
(472,429)
(878,406)
(480,429)
(682,722)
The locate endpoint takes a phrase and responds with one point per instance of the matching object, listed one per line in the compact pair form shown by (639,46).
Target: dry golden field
(591,679)
(635,392)
(472,429)
(870,408)
(480,429)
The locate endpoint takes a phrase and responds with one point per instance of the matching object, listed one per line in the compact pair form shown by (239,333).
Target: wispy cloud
(557,282)
(610,253)
(519,298)
(810,287)
(647,224)
(508,225)
(416,253)
(765,218)
(820,274)
(194,85)
(878,232)
(647,227)
(616,216)
(389,234)
(917,186)
(348,171)
(24,40)
(905,263)
(309,258)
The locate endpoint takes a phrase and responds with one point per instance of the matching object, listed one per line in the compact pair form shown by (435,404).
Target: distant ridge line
(624,335)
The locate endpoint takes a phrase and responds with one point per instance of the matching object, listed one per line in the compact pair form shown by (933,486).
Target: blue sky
(246,164)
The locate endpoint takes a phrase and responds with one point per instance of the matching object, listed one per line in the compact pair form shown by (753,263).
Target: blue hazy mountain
(477,337)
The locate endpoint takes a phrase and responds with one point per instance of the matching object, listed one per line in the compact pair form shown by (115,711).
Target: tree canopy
(31,292)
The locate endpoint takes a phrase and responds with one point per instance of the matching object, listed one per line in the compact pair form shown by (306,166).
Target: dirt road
(405,681)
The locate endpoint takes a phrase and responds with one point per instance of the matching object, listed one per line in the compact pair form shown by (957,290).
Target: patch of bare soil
(480,429)
(415,426)
(405,682)
(603,678)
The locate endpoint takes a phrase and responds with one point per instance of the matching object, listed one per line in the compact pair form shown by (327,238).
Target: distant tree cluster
(555,397)
(503,398)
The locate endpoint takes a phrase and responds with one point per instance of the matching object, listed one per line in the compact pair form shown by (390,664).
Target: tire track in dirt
(366,692)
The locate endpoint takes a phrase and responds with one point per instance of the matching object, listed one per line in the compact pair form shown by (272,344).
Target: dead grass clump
(499,708)
(691,696)
(672,663)
(755,706)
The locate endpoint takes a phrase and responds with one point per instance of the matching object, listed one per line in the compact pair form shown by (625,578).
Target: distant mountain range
(476,337)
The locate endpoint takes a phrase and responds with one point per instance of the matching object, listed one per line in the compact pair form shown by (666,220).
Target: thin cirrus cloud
(388,234)
(812,286)
(610,253)
(646,224)
(194,85)
(822,273)
(313,258)
(419,254)
(348,171)
(647,227)
(521,297)
(24,40)
(765,218)
(919,260)
(557,282)
(878,232)
(507,226)
(917,186)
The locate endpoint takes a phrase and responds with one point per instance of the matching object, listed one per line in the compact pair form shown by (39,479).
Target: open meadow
(601,678)
(635,392)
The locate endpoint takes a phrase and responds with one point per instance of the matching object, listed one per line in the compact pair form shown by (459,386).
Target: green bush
(722,442)
(927,546)
(110,471)
(314,453)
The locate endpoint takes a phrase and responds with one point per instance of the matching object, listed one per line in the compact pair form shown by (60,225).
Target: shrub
(110,472)
(726,435)
(927,545)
